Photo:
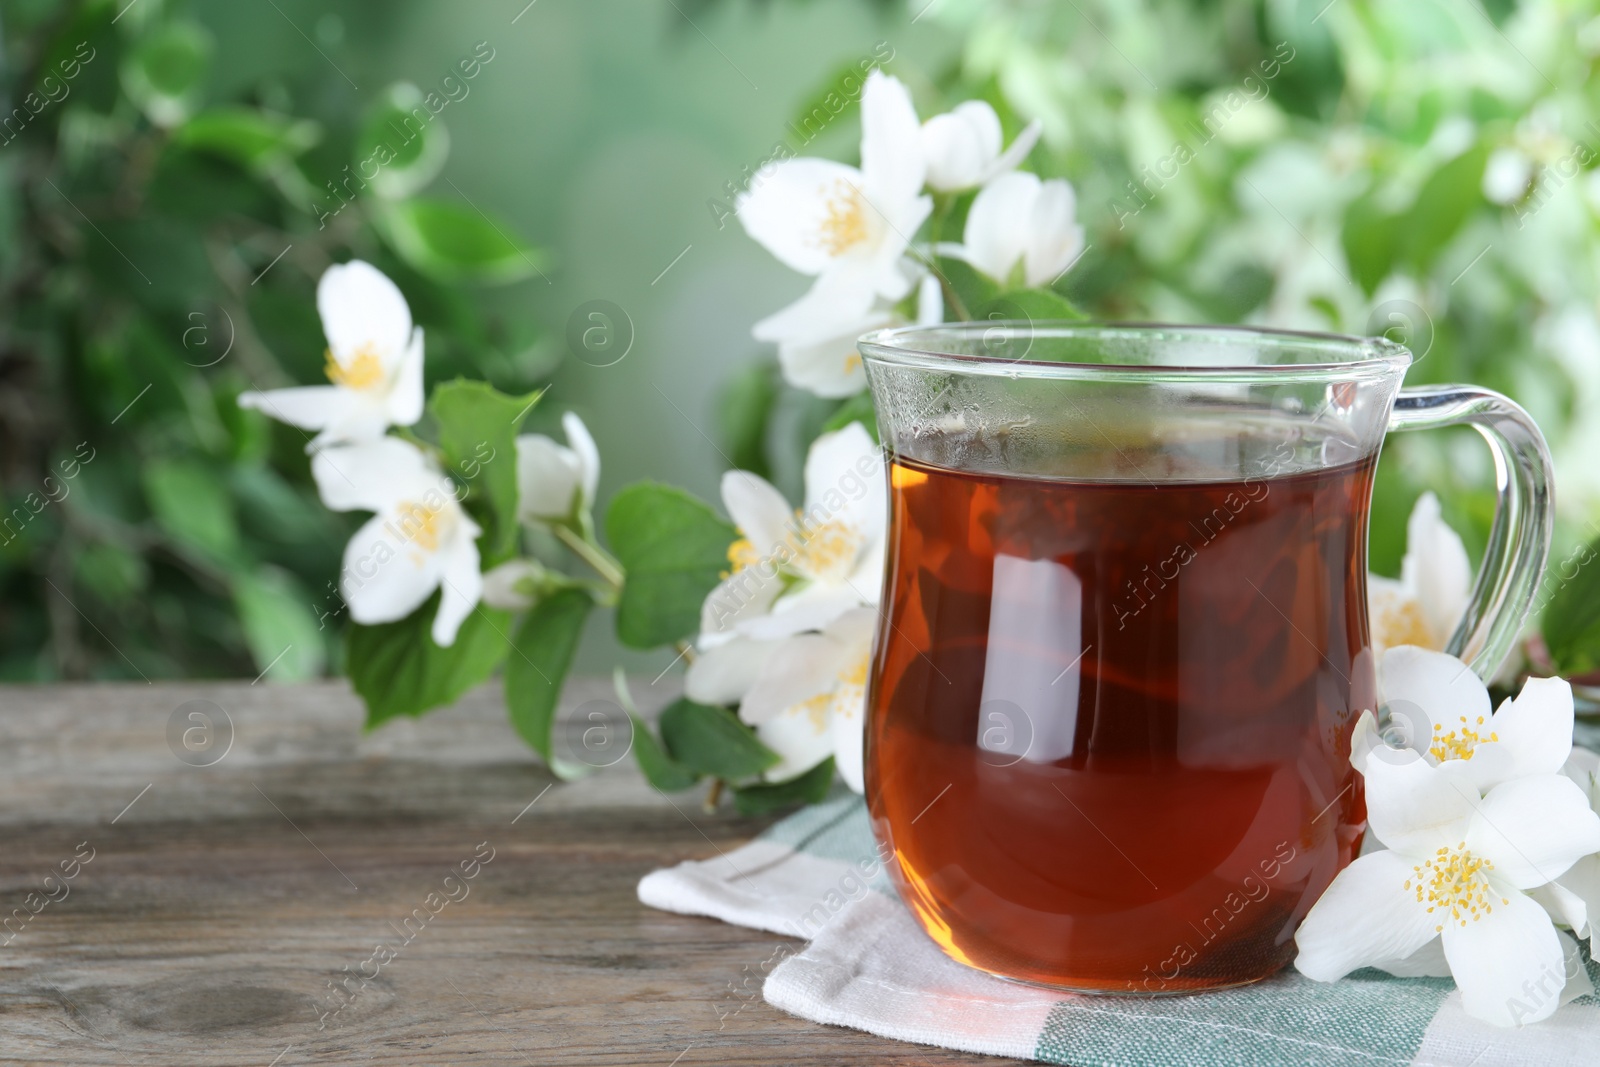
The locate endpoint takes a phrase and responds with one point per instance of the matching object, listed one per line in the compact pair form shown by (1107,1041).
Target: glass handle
(1519,540)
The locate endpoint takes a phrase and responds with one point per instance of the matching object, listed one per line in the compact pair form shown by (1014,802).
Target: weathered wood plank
(219,909)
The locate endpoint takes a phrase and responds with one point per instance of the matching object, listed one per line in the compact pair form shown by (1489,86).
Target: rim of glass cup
(1327,355)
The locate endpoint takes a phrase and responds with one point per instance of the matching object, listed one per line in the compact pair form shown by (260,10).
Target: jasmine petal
(374,362)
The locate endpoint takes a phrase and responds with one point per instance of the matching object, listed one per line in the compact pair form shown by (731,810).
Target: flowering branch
(589,550)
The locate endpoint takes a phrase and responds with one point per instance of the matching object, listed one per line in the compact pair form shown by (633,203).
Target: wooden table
(210,909)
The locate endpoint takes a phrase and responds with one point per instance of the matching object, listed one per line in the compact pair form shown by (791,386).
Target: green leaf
(1571,620)
(713,741)
(537,667)
(398,670)
(254,139)
(202,188)
(674,549)
(191,504)
(401,143)
(1443,203)
(1500,11)
(454,243)
(660,769)
(165,269)
(971,287)
(284,636)
(1231,296)
(115,573)
(743,410)
(1370,238)
(477,427)
(856,409)
(1025,307)
(82,51)
(808,788)
(1310,66)
(288,324)
(166,71)
(1029,305)
(834,98)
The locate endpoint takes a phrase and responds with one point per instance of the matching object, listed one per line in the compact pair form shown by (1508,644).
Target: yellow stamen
(1456,881)
(1460,743)
(824,552)
(816,709)
(1401,623)
(741,554)
(364,370)
(845,224)
(850,688)
(827,551)
(856,676)
(421,524)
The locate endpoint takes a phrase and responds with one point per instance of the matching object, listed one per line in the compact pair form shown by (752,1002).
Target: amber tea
(1124,637)
(1110,725)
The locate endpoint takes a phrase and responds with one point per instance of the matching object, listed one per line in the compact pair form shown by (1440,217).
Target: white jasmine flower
(848,227)
(374,362)
(1457,868)
(1443,710)
(1506,175)
(930,301)
(417,540)
(799,570)
(829,364)
(723,673)
(1574,898)
(1425,605)
(808,701)
(963,147)
(1022,231)
(513,585)
(554,481)
(792,571)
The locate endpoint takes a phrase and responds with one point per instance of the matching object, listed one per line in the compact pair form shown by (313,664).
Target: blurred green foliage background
(1425,169)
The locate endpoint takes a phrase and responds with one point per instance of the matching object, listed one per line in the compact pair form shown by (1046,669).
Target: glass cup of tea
(1124,633)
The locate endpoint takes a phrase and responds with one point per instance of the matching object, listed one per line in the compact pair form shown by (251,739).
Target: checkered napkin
(867,965)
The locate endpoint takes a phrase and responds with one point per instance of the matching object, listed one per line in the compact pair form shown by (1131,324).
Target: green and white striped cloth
(867,965)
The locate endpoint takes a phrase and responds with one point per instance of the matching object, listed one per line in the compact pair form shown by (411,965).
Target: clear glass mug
(1124,634)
